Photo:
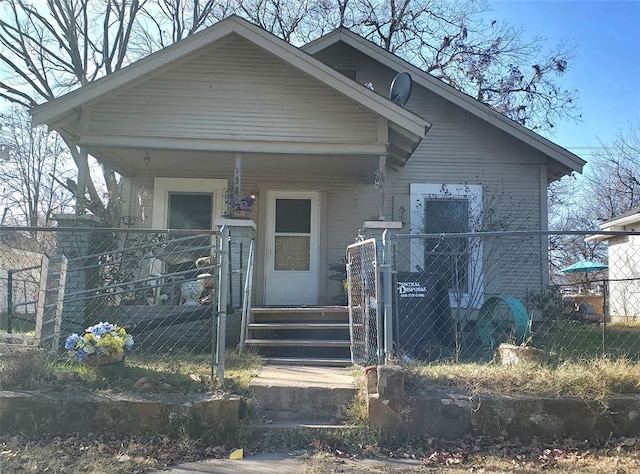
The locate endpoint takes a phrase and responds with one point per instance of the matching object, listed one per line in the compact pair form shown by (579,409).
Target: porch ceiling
(189,163)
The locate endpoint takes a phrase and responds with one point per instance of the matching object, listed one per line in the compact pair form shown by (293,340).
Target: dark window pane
(446,215)
(448,257)
(293,215)
(190,211)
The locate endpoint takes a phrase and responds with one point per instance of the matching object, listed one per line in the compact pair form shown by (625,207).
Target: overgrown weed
(26,371)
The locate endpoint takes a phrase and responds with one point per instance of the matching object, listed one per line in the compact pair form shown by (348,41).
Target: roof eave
(52,111)
(571,161)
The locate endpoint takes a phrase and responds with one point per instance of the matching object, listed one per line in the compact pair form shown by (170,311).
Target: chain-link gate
(365,310)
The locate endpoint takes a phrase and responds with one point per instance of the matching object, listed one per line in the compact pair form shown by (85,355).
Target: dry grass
(187,374)
(585,461)
(590,380)
(356,412)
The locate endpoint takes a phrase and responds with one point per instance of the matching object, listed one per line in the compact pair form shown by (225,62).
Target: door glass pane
(190,211)
(293,216)
(292,253)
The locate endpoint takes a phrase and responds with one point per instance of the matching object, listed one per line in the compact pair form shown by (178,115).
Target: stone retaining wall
(98,412)
(442,413)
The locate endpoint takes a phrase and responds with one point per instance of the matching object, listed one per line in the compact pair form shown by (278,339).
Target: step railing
(246,300)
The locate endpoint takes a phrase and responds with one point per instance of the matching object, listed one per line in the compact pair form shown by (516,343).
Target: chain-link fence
(163,287)
(458,296)
(365,316)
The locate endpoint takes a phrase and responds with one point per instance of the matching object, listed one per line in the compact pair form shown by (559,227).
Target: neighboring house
(321,152)
(624,265)
(25,279)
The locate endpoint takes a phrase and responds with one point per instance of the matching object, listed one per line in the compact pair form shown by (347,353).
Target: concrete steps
(308,335)
(301,395)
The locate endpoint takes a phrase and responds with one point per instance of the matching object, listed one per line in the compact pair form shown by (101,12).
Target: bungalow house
(624,265)
(321,152)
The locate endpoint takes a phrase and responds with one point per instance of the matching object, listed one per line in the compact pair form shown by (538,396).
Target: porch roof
(399,130)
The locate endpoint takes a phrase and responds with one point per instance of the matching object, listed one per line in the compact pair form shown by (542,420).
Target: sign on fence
(423,322)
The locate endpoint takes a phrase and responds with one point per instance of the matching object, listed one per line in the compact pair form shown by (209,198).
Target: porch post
(237,180)
(382,186)
(83,170)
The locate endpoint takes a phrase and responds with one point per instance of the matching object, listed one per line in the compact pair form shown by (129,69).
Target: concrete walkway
(287,395)
(304,377)
(283,463)
(297,393)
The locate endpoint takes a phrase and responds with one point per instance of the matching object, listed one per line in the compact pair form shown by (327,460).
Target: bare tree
(64,44)
(609,187)
(491,61)
(33,169)
(49,50)
(612,184)
(164,22)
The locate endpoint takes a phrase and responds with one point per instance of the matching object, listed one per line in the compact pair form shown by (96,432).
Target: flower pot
(100,360)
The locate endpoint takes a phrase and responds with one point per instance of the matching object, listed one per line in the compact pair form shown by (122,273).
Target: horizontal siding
(461,148)
(234,91)
(349,203)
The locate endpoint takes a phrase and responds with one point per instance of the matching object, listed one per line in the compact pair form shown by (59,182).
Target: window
(449,208)
(187,203)
(190,211)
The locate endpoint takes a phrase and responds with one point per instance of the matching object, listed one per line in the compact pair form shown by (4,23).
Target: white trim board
(473,194)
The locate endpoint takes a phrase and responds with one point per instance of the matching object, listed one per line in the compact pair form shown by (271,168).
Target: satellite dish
(400,89)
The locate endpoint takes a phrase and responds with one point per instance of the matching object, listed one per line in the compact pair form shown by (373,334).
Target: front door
(292,248)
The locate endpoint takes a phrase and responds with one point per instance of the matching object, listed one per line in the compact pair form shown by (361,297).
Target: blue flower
(100,339)
(71,341)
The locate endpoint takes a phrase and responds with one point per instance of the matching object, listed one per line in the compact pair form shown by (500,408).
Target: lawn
(577,340)
(182,373)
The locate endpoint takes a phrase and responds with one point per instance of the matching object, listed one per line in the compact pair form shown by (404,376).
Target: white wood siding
(461,148)
(233,91)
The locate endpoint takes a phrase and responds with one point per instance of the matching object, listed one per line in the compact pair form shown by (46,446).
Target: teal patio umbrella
(585,266)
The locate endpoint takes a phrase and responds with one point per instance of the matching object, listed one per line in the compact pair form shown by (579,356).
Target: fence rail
(458,296)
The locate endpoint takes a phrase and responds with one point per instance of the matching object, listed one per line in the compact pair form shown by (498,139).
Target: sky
(605,70)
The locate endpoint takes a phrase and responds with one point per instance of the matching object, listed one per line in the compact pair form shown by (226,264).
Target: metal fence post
(10,300)
(223,279)
(387,293)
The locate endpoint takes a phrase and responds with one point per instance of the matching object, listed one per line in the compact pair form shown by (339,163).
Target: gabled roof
(629,217)
(567,160)
(617,224)
(61,108)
